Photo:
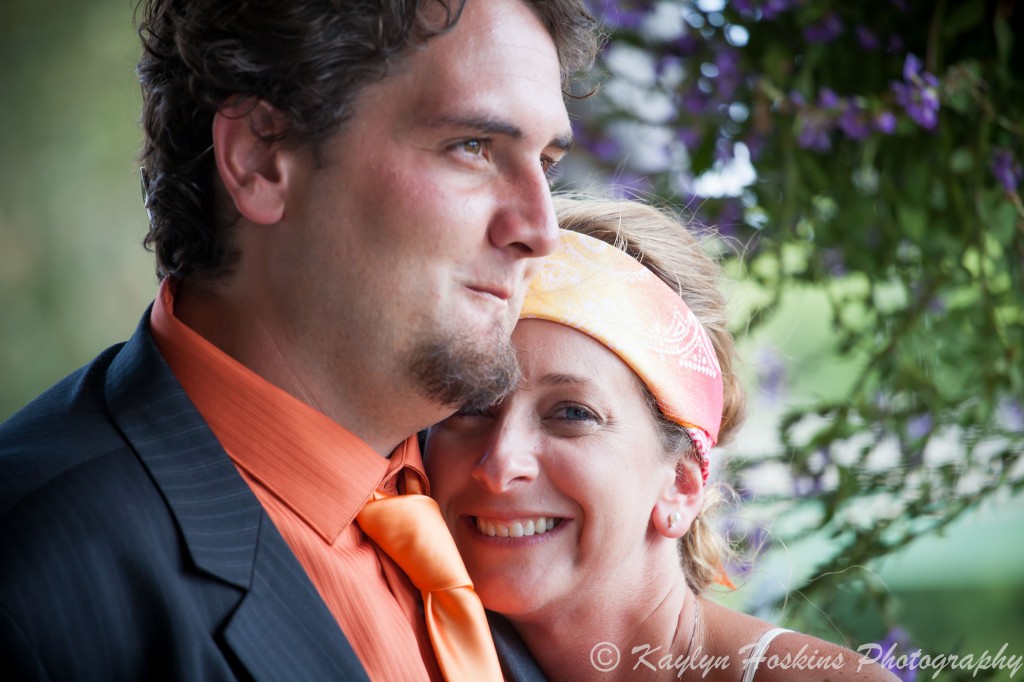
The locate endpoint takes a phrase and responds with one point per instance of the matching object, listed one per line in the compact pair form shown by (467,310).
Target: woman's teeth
(516,529)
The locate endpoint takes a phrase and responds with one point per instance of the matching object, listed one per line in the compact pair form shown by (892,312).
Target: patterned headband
(593,287)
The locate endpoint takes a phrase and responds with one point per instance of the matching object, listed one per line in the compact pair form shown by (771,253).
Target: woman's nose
(508,460)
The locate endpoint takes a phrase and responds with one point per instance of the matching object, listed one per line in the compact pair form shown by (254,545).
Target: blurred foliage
(73,275)
(878,149)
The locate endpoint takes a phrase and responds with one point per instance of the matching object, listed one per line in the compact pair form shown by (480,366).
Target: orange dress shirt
(312,477)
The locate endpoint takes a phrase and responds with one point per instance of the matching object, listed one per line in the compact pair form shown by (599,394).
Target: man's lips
(500,292)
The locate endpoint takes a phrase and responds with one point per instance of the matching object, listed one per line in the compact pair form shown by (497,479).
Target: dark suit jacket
(517,664)
(131,549)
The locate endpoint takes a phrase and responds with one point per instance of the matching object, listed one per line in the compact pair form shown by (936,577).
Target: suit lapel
(281,629)
(282,624)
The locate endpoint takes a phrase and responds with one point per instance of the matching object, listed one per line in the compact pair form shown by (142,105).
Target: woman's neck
(660,618)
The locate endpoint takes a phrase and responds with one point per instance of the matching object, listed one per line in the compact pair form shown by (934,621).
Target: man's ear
(680,502)
(251,159)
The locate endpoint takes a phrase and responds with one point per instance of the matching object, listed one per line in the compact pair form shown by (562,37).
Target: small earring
(673,519)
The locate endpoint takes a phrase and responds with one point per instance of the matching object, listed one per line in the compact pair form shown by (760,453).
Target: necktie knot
(410,529)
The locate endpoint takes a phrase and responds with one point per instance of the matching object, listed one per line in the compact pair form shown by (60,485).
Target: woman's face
(554,488)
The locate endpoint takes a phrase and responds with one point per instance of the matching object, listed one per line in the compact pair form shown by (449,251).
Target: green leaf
(961,161)
(963,18)
(1004,39)
(912,221)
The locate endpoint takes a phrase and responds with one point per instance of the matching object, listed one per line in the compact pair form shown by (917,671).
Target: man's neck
(379,410)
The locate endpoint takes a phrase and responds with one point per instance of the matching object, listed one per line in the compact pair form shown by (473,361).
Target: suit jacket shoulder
(64,427)
(134,550)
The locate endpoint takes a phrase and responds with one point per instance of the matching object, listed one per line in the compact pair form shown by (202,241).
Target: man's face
(408,251)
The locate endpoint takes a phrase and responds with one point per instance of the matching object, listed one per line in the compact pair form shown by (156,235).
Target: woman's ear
(680,502)
(251,159)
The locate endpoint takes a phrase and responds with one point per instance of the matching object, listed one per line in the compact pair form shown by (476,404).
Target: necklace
(693,635)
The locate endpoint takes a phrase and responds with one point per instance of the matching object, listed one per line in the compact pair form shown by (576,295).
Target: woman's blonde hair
(660,241)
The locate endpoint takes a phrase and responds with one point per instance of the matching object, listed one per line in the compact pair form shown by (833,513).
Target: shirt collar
(315,466)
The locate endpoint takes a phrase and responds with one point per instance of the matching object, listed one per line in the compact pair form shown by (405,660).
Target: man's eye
(473,147)
(550,168)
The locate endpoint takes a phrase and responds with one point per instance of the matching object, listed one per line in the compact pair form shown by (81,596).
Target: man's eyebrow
(483,124)
(493,126)
(563,142)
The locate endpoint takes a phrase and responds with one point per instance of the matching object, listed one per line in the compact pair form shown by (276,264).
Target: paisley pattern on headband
(603,292)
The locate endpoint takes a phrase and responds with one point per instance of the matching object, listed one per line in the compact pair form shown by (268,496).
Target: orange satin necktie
(410,530)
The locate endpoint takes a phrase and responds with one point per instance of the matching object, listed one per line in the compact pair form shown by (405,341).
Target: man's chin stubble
(460,372)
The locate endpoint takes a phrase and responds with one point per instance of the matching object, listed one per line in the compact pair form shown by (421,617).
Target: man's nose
(526,220)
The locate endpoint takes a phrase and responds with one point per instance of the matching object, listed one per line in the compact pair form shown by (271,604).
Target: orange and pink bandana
(593,287)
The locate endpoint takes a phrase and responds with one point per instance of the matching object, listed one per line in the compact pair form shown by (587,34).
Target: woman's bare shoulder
(789,656)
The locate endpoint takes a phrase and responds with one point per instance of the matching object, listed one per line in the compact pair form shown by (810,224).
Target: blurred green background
(961,591)
(73,275)
(74,278)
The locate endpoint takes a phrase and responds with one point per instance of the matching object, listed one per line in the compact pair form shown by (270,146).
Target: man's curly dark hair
(309,59)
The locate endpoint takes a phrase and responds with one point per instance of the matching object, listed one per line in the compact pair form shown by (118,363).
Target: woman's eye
(575,413)
(474,412)
(468,420)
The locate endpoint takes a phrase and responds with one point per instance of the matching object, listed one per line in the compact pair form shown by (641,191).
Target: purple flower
(867,39)
(727,61)
(689,136)
(832,258)
(755,536)
(1012,414)
(797,98)
(904,93)
(771,372)
(773,8)
(922,105)
(614,15)
(896,641)
(730,215)
(688,44)
(901,5)
(666,62)
(828,99)
(885,122)
(825,30)
(755,145)
(806,486)
(606,149)
(694,102)
(918,93)
(911,67)
(919,426)
(814,133)
(1006,169)
(630,186)
(723,150)
(895,43)
(854,122)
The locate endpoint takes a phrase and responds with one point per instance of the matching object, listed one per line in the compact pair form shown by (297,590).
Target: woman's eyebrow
(559,379)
